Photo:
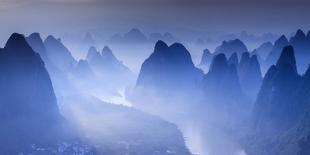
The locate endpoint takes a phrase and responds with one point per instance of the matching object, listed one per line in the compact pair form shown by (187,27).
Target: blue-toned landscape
(175,77)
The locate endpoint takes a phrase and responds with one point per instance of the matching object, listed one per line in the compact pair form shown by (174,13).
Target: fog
(139,93)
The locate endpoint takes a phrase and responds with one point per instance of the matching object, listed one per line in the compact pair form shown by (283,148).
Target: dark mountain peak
(308,35)
(275,53)
(181,55)
(300,34)
(287,57)
(280,102)
(178,46)
(16,39)
(298,38)
(270,74)
(17,43)
(160,46)
(28,102)
(233,59)
(281,41)
(254,58)
(231,46)
(35,38)
(36,43)
(219,63)
(170,65)
(222,82)
(35,35)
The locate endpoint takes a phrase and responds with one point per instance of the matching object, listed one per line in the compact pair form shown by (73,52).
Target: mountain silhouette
(222,88)
(280,113)
(205,60)
(105,63)
(277,108)
(169,67)
(244,62)
(276,51)
(230,47)
(29,111)
(36,43)
(275,100)
(58,54)
(222,78)
(301,44)
(263,50)
(287,59)
(83,70)
(250,75)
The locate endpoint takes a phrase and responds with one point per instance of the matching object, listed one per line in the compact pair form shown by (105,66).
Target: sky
(109,16)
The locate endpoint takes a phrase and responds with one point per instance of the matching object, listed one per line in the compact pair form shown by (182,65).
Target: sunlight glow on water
(193,139)
(116,98)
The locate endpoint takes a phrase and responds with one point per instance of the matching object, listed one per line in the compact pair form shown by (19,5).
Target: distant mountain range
(135,36)
(276,101)
(254,100)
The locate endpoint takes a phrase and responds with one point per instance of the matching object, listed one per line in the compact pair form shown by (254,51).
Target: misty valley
(154,94)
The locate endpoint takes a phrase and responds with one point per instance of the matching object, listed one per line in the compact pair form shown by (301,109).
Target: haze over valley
(102,77)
